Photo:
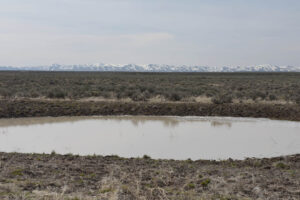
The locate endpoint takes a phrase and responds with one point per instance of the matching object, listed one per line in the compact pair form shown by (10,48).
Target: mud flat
(42,176)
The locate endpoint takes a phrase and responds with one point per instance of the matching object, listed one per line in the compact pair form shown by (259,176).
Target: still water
(158,137)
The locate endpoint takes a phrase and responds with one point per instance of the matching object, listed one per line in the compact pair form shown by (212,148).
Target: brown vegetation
(221,87)
(60,177)
(37,108)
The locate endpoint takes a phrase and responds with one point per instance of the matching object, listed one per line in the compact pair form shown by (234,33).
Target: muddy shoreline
(42,176)
(55,108)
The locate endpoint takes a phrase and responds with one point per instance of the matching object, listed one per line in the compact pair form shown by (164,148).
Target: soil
(41,176)
(38,108)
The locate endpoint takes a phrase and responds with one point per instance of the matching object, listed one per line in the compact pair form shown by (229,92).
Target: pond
(159,137)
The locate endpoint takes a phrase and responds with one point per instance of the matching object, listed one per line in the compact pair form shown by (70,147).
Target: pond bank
(38,108)
(42,176)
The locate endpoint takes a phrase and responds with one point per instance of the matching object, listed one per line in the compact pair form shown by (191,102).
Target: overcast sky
(192,32)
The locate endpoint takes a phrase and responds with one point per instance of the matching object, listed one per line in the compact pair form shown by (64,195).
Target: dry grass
(95,177)
(153,87)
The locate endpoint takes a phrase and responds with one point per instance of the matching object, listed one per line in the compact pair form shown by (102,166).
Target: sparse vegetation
(205,182)
(38,108)
(190,186)
(22,176)
(146,157)
(220,87)
(268,95)
(106,190)
(221,99)
(282,165)
(17,172)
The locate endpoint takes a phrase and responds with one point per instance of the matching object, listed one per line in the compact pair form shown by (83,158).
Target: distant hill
(153,68)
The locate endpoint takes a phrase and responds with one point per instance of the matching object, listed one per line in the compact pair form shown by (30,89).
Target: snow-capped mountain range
(153,68)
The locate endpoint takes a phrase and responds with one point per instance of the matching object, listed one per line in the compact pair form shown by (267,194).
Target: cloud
(207,32)
(148,38)
(25,43)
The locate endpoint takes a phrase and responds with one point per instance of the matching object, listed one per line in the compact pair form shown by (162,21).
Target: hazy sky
(202,32)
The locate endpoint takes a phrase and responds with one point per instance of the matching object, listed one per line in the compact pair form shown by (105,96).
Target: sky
(176,32)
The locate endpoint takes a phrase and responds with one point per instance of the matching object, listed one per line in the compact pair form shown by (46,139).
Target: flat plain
(216,87)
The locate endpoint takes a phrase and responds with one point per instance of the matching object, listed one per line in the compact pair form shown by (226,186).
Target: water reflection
(220,124)
(159,137)
(168,121)
(140,120)
(135,120)
(29,121)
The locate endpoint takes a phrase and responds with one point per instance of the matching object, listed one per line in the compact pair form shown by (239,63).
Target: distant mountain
(153,68)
